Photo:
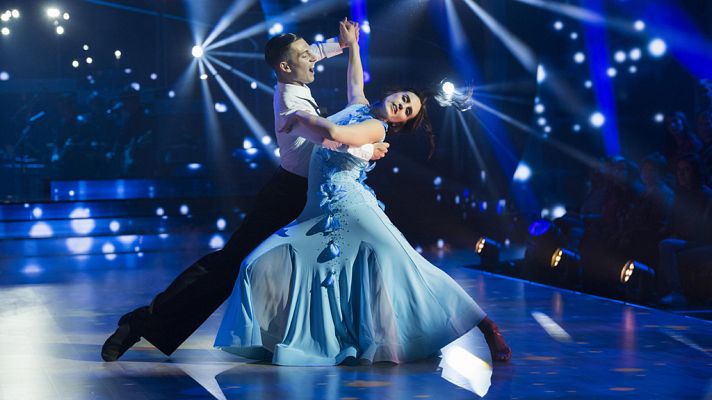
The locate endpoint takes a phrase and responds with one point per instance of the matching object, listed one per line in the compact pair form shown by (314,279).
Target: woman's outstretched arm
(354,75)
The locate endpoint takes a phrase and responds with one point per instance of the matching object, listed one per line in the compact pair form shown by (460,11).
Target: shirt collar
(297,90)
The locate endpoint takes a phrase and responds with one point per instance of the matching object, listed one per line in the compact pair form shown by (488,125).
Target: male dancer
(197,292)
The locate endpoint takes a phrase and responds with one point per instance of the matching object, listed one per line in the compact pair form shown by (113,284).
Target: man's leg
(197,292)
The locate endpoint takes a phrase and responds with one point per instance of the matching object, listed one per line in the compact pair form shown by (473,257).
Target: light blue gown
(341,283)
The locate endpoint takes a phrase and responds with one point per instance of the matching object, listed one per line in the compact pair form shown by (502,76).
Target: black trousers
(197,292)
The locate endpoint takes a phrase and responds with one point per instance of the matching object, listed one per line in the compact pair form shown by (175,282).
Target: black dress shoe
(121,340)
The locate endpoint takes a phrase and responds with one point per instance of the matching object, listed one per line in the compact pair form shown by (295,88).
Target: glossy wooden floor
(55,312)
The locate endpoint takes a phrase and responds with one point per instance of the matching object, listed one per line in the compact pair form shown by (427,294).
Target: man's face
(299,66)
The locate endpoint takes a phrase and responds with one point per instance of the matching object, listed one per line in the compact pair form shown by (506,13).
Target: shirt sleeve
(327,49)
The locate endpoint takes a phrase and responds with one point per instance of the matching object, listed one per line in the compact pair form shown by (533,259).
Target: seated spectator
(690,240)
(703,128)
(679,141)
(645,224)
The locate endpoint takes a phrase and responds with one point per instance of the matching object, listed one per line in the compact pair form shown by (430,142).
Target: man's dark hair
(277,47)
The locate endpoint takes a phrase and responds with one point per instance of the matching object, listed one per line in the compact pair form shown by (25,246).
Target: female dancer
(341,283)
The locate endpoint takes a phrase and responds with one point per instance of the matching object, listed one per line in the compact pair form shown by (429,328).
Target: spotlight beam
(520,50)
(212,127)
(245,113)
(509,99)
(295,14)
(248,78)
(236,10)
(238,54)
(566,149)
(476,151)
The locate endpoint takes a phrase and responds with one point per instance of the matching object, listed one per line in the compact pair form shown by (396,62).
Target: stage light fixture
(633,69)
(117,54)
(89,60)
(5,31)
(60,30)
(639,25)
(558,25)
(220,107)
(85,47)
(574,36)
(15,13)
(588,84)
(253,85)
(66,16)
(197,51)
(366,27)
(522,173)
(619,56)
(565,267)
(612,72)
(657,47)
(539,108)
(448,88)
(75,64)
(635,54)
(579,57)
(319,37)
(634,269)
(266,140)
(204,76)
(53,12)
(488,250)
(320,68)
(597,119)
(171,94)
(659,118)
(4,17)
(540,74)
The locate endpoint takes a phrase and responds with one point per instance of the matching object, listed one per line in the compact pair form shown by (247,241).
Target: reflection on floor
(55,313)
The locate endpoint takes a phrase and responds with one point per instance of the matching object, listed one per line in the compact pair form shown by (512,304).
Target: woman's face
(401,107)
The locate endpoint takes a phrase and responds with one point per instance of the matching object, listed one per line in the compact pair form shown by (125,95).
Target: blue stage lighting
(220,107)
(320,68)
(276,152)
(319,37)
(89,60)
(659,118)
(75,64)
(276,29)
(266,140)
(53,12)
(253,85)
(657,47)
(184,209)
(576,127)
(522,173)
(540,74)
(573,36)
(4,76)
(611,72)
(579,57)
(448,88)
(437,181)
(136,86)
(639,25)
(366,27)
(619,56)
(197,51)
(588,84)
(247,144)
(635,54)
(81,222)
(396,170)
(194,166)
(59,30)
(114,226)
(41,230)
(541,121)
(597,119)
(221,224)
(37,212)
(558,211)
(171,94)
(217,242)
(80,245)
(558,25)
(160,211)
(539,108)
(203,77)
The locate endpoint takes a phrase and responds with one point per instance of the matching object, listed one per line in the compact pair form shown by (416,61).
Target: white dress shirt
(296,146)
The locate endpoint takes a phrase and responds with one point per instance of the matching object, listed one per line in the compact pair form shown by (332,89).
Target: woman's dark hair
(419,122)
(277,47)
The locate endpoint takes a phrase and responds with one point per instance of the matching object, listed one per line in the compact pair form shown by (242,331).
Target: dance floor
(56,311)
